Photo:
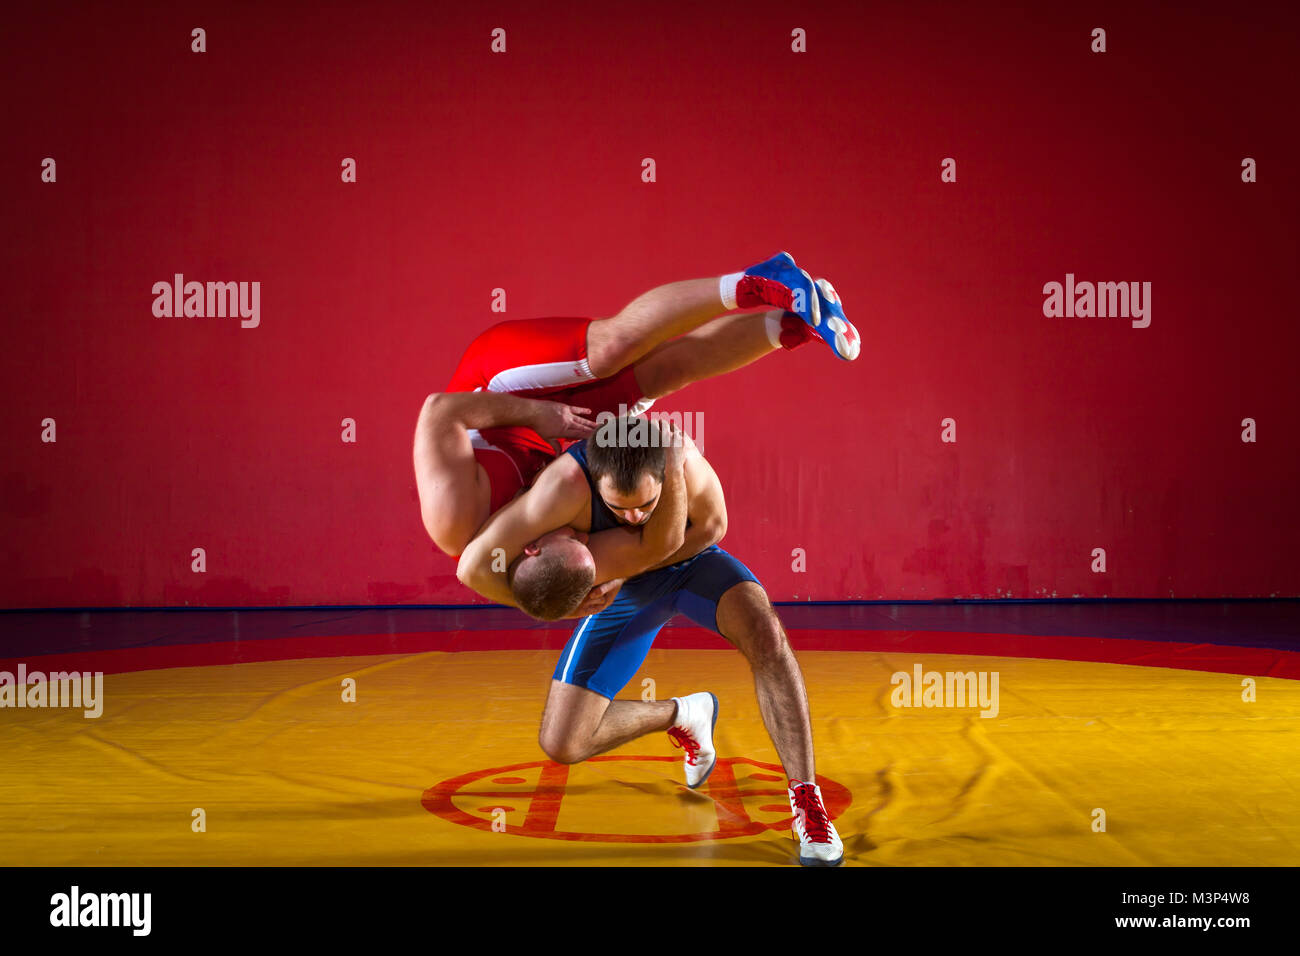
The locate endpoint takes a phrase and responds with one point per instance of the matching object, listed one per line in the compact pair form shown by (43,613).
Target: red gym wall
(522,170)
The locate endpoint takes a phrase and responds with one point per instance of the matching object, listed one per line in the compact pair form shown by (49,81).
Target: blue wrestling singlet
(608,648)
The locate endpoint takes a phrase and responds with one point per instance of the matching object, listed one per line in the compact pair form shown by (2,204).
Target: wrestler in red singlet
(536,358)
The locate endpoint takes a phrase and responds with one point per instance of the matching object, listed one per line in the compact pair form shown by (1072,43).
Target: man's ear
(532,549)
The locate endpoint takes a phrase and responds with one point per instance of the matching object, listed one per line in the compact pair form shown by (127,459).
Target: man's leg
(747,619)
(579,723)
(653,317)
(668,311)
(581,718)
(719,347)
(726,597)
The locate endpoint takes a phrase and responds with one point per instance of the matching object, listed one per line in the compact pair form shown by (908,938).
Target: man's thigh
(748,621)
(707,581)
(607,649)
(601,656)
(525,356)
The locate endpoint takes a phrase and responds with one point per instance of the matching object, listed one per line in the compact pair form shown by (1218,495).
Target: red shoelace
(815,823)
(681,739)
(753,291)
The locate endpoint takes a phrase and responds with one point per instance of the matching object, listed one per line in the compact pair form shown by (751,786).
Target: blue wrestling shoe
(835,327)
(781,283)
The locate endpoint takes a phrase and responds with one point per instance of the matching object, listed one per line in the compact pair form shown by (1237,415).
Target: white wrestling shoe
(697,715)
(819,844)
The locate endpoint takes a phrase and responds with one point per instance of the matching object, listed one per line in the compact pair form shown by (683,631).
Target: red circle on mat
(549,792)
(508,780)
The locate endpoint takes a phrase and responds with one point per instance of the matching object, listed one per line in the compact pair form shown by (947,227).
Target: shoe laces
(815,823)
(682,740)
(760,290)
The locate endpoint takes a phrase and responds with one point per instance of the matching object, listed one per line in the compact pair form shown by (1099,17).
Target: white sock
(727,289)
(773,322)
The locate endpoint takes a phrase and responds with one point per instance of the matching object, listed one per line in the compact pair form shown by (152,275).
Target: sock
(772,321)
(727,289)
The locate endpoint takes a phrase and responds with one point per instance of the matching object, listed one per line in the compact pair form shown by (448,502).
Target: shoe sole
(812,860)
(708,772)
(816,862)
(841,345)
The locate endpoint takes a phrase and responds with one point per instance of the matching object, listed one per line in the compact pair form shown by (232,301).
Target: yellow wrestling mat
(437,763)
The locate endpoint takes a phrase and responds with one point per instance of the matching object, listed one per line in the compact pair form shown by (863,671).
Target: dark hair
(611,453)
(548,587)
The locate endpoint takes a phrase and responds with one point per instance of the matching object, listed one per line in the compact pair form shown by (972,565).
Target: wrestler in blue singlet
(607,649)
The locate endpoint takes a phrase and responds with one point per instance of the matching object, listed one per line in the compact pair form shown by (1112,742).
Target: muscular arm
(556,499)
(706,508)
(625,552)
(453,492)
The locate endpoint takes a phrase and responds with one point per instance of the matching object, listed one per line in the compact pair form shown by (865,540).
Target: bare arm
(477,410)
(453,498)
(555,500)
(707,510)
(625,552)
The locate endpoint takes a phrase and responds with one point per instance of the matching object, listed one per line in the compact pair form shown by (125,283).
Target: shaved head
(550,584)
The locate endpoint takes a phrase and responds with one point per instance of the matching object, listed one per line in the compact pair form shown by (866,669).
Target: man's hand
(557,420)
(599,598)
(674,444)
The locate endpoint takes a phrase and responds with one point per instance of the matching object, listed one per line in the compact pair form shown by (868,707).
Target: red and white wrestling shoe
(819,844)
(692,731)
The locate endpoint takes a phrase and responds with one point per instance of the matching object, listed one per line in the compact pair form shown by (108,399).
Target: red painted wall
(522,170)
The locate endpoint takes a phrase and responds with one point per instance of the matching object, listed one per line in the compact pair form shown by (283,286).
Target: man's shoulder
(563,476)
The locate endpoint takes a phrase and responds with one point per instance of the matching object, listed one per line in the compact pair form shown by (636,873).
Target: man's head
(628,474)
(552,575)
(627,462)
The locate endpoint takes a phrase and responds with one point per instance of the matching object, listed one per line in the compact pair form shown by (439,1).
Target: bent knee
(759,635)
(611,347)
(767,639)
(561,749)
